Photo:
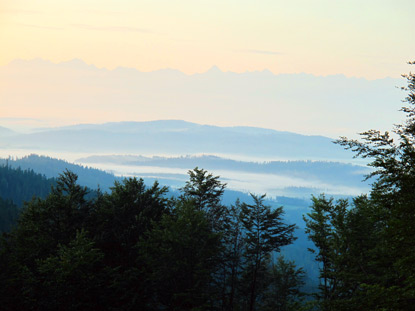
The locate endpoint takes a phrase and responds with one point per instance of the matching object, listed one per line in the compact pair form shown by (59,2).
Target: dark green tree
(206,190)
(346,238)
(393,193)
(43,227)
(73,278)
(321,232)
(265,232)
(9,213)
(120,220)
(359,261)
(44,224)
(181,253)
(283,292)
(124,215)
(233,239)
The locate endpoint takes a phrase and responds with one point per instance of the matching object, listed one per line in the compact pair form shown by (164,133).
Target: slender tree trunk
(232,293)
(234,272)
(253,287)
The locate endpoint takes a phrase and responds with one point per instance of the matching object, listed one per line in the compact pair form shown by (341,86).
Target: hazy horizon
(315,68)
(34,94)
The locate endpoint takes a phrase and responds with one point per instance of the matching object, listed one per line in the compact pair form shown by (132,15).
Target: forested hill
(20,185)
(16,187)
(51,168)
(23,179)
(91,178)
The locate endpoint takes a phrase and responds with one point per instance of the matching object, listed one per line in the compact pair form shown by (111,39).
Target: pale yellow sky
(361,38)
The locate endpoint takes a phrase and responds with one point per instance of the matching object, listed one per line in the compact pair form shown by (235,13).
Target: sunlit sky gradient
(360,38)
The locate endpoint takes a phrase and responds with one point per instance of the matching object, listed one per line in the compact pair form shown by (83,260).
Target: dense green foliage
(135,249)
(367,249)
(21,185)
(9,213)
(265,233)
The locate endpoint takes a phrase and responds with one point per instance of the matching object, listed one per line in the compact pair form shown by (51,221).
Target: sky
(371,38)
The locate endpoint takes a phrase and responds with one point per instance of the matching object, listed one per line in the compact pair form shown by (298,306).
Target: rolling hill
(175,137)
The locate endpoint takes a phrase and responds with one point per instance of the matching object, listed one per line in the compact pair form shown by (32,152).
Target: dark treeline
(16,187)
(20,185)
(133,248)
(50,168)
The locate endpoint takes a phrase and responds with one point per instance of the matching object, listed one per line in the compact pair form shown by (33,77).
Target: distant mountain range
(175,137)
(40,91)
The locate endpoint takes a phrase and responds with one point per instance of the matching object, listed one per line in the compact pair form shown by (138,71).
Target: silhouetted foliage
(134,248)
(265,233)
(367,249)
(9,213)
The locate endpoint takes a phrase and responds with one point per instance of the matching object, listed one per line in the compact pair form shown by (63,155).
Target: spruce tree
(265,233)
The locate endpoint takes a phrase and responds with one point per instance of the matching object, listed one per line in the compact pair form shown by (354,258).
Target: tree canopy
(135,248)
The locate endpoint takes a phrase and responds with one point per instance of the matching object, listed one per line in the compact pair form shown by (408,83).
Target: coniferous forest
(136,248)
